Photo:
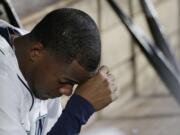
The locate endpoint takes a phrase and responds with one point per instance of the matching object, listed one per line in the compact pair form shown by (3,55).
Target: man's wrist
(80,108)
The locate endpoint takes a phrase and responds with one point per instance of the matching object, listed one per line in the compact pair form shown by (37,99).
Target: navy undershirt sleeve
(76,113)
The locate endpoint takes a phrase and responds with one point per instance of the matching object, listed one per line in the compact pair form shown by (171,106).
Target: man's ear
(36,51)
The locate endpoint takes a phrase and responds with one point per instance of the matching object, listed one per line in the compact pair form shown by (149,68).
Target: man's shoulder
(8,70)
(6,24)
(4,36)
(7,74)
(3,23)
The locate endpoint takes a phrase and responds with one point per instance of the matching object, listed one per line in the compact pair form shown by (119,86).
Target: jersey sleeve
(76,113)
(9,107)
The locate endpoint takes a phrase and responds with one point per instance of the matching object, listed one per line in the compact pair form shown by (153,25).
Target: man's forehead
(76,72)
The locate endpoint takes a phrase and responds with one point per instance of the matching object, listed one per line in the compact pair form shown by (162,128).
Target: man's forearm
(76,113)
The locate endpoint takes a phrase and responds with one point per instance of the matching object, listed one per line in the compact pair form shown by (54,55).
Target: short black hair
(71,33)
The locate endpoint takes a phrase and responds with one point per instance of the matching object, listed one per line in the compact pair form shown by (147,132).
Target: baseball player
(38,67)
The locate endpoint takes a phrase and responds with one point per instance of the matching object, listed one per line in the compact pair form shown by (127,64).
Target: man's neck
(20,52)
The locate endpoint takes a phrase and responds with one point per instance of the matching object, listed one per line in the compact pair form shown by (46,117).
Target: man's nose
(66,89)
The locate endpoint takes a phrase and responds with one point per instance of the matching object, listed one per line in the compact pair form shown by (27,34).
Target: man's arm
(93,95)
(76,113)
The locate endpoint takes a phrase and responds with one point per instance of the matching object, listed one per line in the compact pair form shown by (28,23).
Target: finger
(112,81)
(111,78)
(115,94)
(113,87)
(104,69)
